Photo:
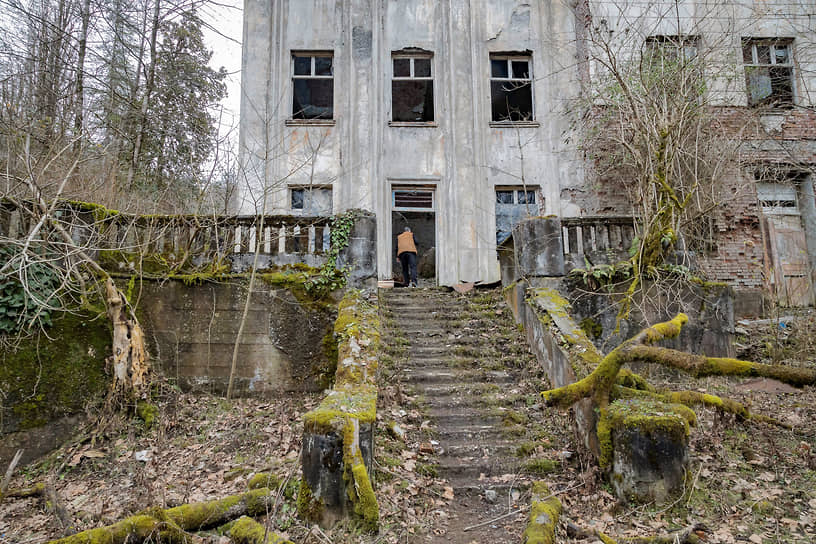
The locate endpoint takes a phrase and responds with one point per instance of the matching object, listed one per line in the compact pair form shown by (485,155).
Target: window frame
(313,55)
(412,77)
(307,189)
(772,43)
(509,58)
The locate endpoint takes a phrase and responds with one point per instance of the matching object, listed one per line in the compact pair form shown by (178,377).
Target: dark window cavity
(768,72)
(412,90)
(311,200)
(511,88)
(312,86)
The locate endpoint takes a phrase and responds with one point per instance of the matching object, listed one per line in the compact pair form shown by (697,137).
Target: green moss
(525,449)
(147,412)
(248,531)
(309,507)
(544,513)
(264,479)
(591,328)
(365,504)
(46,377)
(540,466)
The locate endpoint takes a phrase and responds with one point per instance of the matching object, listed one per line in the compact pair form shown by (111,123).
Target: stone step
(448,374)
(450,389)
(480,449)
(463,468)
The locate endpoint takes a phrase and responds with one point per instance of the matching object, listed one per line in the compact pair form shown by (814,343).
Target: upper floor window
(311,200)
(511,87)
(312,86)
(768,71)
(412,98)
(668,51)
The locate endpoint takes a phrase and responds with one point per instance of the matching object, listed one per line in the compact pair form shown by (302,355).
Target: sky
(224,39)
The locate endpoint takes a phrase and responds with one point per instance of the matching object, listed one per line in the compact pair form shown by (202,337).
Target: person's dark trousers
(408,260)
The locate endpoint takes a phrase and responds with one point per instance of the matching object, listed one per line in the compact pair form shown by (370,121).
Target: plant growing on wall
(330,276)
(648,126)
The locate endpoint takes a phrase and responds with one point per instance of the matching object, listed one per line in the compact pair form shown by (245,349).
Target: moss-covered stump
(338,436)
(648,445)
(545,509)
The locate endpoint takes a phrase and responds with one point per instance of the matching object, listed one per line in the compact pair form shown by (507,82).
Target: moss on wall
(47,377)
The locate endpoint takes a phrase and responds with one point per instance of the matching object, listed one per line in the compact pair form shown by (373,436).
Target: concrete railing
(598,238)
(199,237)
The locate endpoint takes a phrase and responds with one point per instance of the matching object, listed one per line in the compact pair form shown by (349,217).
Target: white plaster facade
(462,156)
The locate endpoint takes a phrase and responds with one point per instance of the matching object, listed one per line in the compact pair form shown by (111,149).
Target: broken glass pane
(527,197)
(402,67)
(763,54)
(781,85)
(422,67)
(511,101)
(313,99)
(303,66)
(323,66)
(759,84)
(412,100)
(504,197)
(498,68)
(297,198)
(781,54)
(521,69)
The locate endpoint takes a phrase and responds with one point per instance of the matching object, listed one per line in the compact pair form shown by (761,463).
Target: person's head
(406,229)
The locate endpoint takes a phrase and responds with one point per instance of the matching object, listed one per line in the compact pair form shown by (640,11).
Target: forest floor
(747,481)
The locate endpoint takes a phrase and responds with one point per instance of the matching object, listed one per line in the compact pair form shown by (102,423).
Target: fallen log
(173,524)
(688,535)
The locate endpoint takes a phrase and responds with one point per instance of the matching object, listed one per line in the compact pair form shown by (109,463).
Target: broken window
(513,205)
(312,86)
(311,200)
(768,71)
(511,88)
(412,89)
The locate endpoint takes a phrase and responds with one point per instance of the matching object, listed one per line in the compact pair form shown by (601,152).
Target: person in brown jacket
(407,254)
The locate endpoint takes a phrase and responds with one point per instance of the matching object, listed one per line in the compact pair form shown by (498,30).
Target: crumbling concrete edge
(338,435)
(560,346)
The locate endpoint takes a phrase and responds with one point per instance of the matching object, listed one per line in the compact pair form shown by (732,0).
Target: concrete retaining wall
(192,331)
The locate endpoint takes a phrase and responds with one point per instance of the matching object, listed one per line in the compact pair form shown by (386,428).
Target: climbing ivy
(24,305)
(329,277)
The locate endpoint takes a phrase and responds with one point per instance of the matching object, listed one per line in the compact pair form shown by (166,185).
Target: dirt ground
(747,482)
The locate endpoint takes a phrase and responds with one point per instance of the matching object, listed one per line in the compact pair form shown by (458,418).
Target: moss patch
(47,377)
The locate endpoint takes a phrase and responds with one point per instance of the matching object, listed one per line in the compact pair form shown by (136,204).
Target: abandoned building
(450,116)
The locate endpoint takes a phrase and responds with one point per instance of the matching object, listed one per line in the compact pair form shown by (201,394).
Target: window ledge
(514,124)
(420,124)
(310,122)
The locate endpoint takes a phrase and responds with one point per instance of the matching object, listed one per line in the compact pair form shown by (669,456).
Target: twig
(521,509)
(9,472)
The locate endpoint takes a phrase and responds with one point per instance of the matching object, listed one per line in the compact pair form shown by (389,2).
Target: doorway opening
(415,208)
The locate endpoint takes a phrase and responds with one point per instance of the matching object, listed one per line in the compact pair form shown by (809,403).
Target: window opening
(511,89)
(412,89)
(768,71)
(312,86)
(311,200)
(513,205)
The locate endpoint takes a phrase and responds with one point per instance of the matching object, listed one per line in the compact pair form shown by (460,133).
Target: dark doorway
(423,225)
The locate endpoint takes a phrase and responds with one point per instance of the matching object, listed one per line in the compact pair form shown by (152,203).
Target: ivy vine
(330,277)
(25,305)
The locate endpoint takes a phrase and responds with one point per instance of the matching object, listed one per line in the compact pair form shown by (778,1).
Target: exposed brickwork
(769,137)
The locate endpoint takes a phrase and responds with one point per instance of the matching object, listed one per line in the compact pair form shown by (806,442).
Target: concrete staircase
(465,365)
